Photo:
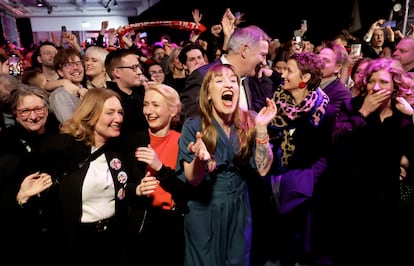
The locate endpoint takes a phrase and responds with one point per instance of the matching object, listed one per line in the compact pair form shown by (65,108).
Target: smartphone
(143,35)
(299,41)
(14,65)
(355,49)
(391,23)
(63,28)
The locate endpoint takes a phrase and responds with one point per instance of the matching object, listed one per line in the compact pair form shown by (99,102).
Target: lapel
(246,86)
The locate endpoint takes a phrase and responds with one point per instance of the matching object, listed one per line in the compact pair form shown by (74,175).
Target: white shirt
(98,192)
(243,104)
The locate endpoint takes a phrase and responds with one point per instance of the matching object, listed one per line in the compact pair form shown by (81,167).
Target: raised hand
(199,148)
(267,114)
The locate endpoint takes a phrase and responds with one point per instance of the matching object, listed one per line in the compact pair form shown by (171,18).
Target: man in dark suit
(246,50)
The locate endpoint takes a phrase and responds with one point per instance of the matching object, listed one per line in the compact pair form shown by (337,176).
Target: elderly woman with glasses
(22,184)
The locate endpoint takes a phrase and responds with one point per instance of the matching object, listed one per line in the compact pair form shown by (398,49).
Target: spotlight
(115,3)
(397,7)
(49,10)
(108,10)
(39,3)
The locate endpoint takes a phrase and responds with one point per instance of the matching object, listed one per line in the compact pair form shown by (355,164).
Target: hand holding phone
(355,49)
(14,65)
(391,23)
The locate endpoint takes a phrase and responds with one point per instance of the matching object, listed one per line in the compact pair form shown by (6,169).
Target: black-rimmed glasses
(133,67)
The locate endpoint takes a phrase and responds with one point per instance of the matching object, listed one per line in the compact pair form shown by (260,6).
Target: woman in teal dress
(217,151)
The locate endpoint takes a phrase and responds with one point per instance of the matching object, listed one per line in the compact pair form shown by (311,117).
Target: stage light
(397,7)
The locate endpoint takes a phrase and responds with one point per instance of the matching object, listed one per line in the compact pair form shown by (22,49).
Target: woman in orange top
(162,107)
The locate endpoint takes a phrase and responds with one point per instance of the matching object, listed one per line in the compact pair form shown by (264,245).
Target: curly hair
(310,63)
(388,64)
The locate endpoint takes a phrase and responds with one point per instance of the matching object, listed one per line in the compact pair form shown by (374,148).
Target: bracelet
(263,141)
(211,165)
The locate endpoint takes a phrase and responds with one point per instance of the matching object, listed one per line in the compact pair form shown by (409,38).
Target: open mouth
(227,98)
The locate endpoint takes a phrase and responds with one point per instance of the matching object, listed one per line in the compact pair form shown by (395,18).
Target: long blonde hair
(86,115)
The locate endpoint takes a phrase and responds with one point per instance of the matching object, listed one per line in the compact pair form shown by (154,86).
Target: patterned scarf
(313,106)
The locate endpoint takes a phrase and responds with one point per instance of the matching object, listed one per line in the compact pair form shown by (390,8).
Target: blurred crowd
(229,147)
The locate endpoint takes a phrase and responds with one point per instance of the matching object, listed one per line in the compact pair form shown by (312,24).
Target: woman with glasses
(71,85)
(25,224)
(156,73)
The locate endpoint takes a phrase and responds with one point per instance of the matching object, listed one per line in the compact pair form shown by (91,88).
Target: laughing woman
(301,133)
(92,195)
(216,149)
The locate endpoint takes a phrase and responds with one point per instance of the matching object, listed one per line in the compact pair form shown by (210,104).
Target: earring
(302,85)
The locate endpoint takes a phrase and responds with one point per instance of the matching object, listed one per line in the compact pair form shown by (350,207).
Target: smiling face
(94,66)
(253,56)
(223,92)
(157,112)
(195,59)
(127,77)
(32,113)
(110,121)
(73,70)
(156,72)
(291,76)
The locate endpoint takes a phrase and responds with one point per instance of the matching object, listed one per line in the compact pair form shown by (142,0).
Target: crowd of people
(228,148)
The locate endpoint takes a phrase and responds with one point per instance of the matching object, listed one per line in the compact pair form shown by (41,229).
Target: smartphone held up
(15,66)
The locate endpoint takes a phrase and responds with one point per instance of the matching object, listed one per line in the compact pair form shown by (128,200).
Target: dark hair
(312,64)
(113,58)
(30,74)
(188,47)
(36,53)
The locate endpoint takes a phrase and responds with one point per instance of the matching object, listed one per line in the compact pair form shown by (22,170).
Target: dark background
(278,18)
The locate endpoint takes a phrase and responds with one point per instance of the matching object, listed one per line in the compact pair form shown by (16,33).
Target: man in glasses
(64,99)
(126,75)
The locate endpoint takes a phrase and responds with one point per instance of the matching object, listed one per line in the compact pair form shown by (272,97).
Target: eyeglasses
(153,73)
(39,110)
(133,67)
(72,64)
